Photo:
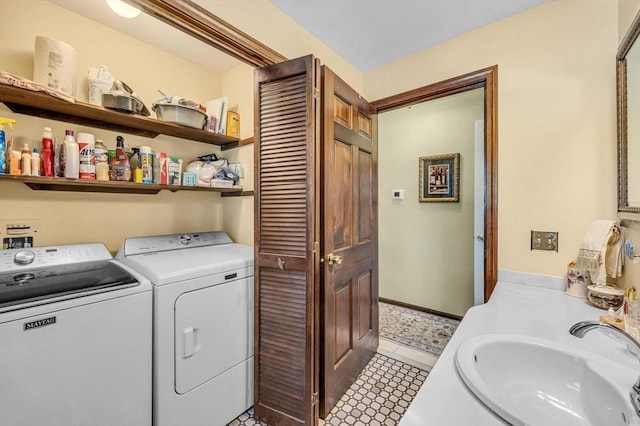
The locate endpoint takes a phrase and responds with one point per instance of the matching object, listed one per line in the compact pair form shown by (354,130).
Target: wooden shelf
(39,104)
(236,144)
(81,185)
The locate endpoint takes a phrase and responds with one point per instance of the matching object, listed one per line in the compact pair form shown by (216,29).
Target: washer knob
(24,257)
(185,239)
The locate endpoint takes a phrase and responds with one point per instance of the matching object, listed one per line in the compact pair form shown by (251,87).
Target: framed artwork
(440,178)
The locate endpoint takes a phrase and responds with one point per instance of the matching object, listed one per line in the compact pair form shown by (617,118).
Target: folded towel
(600,251)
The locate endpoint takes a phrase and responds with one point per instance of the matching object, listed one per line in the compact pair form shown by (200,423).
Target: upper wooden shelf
(39,104)
(81,185)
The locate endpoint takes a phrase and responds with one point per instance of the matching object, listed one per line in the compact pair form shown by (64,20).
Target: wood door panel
(365,188)
(343,205)
(343,298)
(365,126)
(342,112)
(364,305)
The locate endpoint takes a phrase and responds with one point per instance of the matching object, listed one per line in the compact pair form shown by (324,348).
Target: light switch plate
(544,240)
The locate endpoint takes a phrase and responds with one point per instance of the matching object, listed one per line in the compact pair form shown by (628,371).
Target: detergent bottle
(3,143)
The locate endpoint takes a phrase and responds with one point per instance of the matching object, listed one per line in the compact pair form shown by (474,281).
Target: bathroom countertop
(514,307)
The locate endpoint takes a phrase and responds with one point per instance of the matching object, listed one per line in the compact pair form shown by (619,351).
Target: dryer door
(213,332)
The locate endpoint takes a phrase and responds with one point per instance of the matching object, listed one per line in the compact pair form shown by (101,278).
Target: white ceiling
(366,33)
(372,33)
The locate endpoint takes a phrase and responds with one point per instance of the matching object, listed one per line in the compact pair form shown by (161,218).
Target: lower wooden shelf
(81,185)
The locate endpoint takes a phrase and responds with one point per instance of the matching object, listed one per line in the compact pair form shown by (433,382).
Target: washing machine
(203,325)
(75,338)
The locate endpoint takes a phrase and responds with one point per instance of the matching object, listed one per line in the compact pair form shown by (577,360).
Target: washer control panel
(158,243)
(37,257)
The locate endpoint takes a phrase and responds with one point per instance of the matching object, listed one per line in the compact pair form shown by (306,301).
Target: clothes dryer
(203,325)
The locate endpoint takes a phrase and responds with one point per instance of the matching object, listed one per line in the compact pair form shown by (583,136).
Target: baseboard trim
(420,308)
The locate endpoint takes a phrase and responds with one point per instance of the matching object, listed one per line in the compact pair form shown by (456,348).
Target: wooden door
(286,243)
(349,283)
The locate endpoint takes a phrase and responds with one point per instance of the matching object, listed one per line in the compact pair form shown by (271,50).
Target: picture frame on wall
(440,178)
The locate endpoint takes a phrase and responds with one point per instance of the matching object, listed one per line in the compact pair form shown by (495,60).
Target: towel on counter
(601,251)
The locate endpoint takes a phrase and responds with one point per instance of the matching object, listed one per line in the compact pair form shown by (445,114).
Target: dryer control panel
(158,243)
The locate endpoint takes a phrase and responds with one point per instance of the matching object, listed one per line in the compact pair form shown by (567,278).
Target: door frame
(486,78)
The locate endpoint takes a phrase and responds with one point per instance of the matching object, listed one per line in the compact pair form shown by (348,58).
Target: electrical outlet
(544,240)
(18,233)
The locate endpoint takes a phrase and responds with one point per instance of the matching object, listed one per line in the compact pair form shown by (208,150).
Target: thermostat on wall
(397,194)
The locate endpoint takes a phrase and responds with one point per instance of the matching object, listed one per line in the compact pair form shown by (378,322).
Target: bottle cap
(68,132)
(86,138)
(47,132)
(145,148)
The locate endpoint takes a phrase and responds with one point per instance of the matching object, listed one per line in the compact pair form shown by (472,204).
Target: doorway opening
(485,79)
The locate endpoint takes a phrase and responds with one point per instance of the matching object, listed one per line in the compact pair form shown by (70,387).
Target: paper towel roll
(54,65)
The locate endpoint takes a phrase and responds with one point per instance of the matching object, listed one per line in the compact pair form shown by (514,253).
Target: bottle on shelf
(146,164)
(87,156)
(4,155)
(100,149)
(47,153)
(102,168)
(69,156)
(35,162)
(25,160)
(120,169)
(134,163)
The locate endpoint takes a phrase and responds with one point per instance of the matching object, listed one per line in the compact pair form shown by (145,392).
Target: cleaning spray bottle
(3,143)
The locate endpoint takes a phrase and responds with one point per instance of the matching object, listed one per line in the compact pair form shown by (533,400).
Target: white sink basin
(530,381)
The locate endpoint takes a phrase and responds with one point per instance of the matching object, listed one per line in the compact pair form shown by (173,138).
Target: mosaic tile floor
(410,344)
(379,396)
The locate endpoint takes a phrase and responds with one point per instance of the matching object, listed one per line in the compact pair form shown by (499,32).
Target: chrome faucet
(581,328)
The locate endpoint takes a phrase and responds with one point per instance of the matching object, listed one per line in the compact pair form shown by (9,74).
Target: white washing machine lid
(182,261)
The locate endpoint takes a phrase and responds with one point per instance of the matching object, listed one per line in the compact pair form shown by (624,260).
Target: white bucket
(54,65)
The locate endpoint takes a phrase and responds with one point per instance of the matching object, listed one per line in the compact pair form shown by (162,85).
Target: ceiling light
(123,9)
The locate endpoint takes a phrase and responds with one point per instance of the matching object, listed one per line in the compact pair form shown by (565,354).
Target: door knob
(334,258)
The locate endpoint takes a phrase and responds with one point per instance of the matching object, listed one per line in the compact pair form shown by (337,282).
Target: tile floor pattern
(379,397)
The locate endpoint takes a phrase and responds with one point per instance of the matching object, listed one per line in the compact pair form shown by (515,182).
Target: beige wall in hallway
(426,249)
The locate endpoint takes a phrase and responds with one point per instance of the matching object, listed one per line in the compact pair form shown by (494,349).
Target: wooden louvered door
(286,243)
(349,285)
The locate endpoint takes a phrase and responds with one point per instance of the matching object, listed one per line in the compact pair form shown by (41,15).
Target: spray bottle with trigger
(3,143)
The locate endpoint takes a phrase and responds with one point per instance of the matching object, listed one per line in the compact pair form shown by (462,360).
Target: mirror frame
(621,86)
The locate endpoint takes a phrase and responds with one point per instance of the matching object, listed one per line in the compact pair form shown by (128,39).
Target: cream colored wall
(238,211)
(82,217)
(556,123)
(426,249)
(262,20)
